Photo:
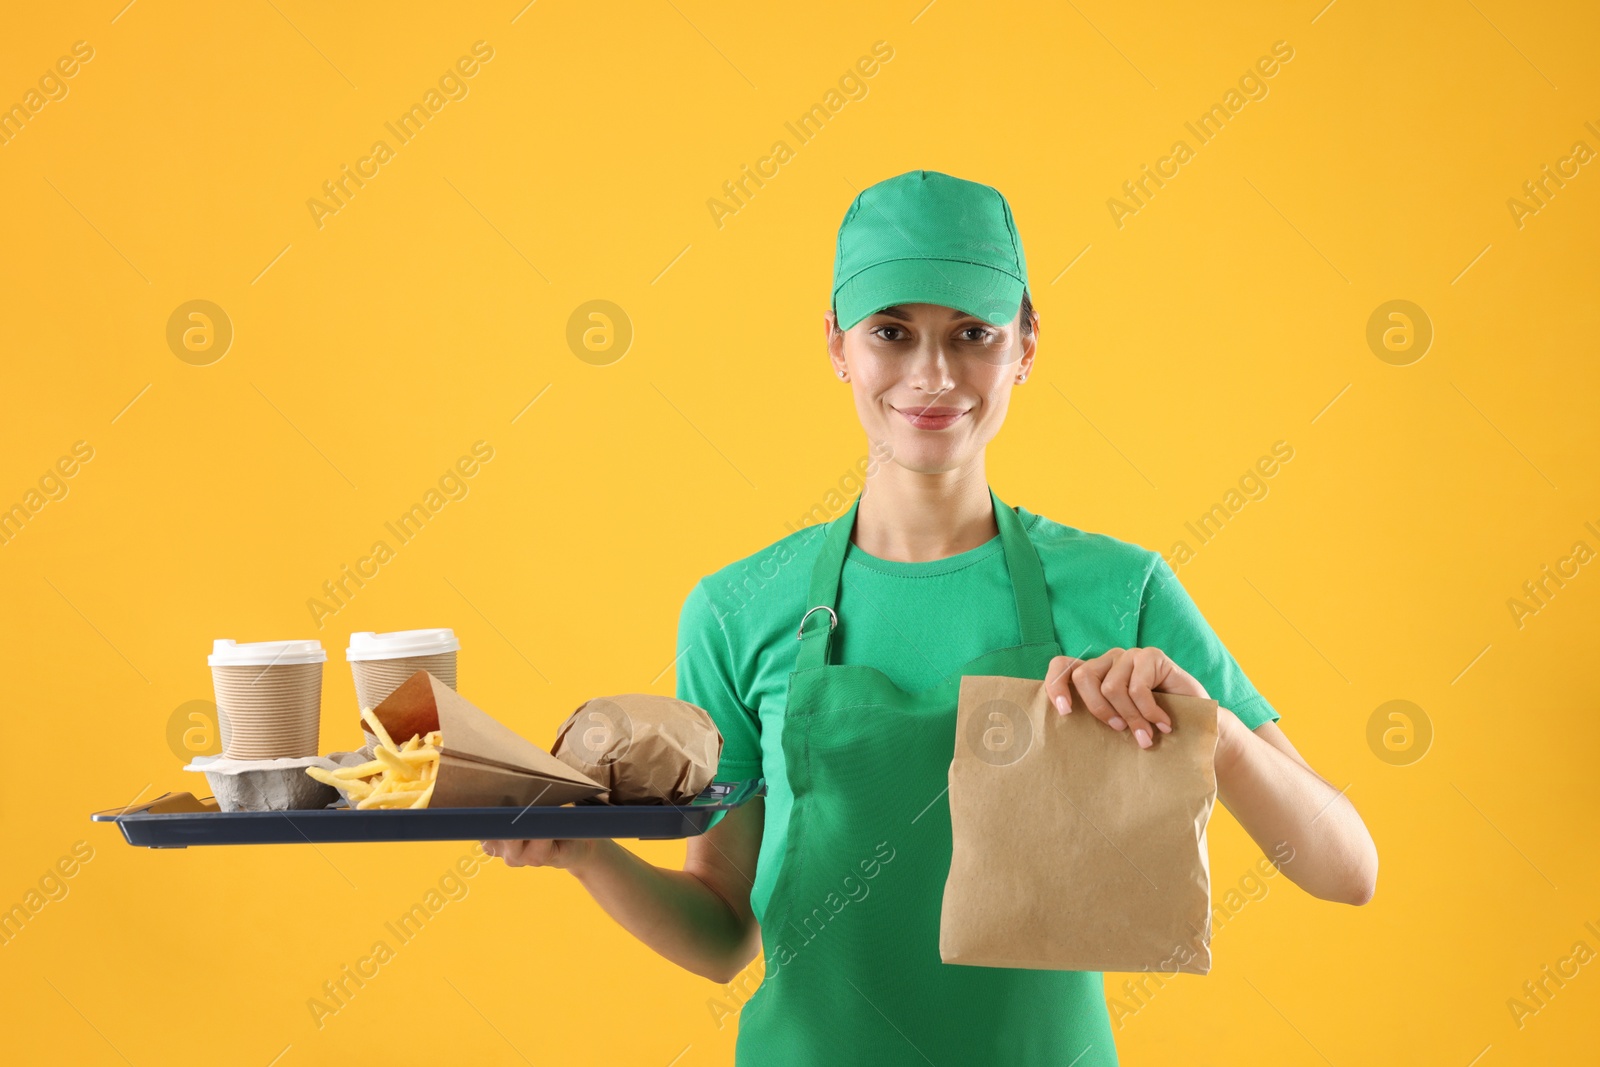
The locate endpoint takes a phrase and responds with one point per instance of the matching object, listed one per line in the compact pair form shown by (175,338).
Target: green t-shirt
(918,622)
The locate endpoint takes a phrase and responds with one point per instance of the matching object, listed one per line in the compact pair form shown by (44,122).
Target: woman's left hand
(1116,687)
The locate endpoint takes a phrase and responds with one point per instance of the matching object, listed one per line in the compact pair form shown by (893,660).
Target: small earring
(1022,377)
(841,374)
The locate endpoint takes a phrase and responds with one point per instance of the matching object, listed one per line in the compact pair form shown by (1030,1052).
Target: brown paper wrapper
(1072,847)
(643,747)
(483,763)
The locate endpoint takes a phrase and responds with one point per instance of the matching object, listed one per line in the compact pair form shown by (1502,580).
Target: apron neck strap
(1022,561)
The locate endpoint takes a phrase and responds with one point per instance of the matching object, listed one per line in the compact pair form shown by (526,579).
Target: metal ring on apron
(833,621)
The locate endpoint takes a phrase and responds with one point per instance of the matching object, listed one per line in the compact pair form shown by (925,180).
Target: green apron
(851,932)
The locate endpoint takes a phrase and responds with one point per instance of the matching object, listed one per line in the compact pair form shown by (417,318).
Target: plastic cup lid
(229,653)
(368,645)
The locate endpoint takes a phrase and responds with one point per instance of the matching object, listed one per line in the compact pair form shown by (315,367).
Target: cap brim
(992,295)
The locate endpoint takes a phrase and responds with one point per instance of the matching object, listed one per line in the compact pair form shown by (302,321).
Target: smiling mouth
(932,418)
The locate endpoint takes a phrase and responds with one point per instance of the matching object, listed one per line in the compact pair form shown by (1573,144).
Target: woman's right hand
(565,854)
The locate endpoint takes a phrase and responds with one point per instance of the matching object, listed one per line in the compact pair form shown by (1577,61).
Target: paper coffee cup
(269,697)
(381,662)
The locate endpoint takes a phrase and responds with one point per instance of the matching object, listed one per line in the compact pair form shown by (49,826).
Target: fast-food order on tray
(434,766)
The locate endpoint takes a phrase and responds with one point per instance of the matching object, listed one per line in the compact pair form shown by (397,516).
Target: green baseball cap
(923,237)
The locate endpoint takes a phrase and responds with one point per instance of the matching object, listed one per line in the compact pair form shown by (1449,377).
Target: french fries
(400,776)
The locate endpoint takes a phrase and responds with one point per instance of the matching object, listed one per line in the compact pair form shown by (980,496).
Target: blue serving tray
(180,829)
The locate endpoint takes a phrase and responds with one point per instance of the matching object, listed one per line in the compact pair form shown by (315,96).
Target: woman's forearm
(1278,800)
(674,912)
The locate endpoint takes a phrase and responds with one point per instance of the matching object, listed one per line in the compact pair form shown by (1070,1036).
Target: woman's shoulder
(771,581)
(1068,548)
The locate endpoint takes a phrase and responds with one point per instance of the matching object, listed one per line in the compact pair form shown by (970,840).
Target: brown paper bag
(483,763)
(1073,848)
(644,748)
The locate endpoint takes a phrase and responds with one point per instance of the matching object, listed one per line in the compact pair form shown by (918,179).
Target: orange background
(1228,313)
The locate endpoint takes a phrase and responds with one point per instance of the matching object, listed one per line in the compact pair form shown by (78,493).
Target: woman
(838,872)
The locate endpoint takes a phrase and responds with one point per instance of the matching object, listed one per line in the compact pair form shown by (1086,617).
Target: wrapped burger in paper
(1073,848)
(483,763)
(644,748)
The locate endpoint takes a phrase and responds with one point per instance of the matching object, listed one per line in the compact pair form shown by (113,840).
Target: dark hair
(1027,313)
(1026,309)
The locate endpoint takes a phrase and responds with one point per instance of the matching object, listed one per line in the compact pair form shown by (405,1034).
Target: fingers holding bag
(1118,686)
(1081,684)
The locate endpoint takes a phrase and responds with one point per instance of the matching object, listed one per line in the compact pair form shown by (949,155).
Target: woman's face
(931,382)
